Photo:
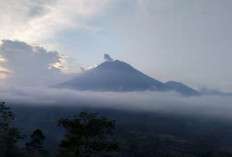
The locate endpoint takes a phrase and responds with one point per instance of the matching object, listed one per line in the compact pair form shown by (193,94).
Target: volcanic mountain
(119,76)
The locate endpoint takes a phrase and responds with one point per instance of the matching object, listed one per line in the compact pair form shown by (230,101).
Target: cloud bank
(170,102)
(25,65)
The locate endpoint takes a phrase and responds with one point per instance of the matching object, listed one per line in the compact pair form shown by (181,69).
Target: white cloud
(164,102)
(35,21)
(26,65)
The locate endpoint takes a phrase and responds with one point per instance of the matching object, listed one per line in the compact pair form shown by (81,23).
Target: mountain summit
(119,76)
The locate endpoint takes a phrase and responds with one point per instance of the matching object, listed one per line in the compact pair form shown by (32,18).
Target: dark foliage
(35,147)
(138,134)
(87,135)
(9,136)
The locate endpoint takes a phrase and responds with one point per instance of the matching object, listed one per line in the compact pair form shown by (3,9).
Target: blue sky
(185,41)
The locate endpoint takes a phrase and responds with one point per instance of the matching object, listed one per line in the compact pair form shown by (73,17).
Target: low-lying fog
(167,102)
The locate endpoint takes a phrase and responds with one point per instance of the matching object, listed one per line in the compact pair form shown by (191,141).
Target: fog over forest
(125,78)
(167,102)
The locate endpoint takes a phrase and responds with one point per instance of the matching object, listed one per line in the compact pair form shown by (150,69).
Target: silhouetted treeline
(86,135)
(137,134)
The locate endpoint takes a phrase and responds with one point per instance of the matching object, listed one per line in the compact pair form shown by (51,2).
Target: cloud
(108,58)
(36,21)
(164,102)
(26,65)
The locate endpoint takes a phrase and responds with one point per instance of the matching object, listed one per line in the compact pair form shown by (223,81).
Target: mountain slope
(119,76)
(181,88)
(206,91)
(113,76)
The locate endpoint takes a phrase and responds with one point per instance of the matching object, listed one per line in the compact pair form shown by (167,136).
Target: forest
(60,131)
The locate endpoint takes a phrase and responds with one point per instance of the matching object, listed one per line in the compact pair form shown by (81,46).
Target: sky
(47,41)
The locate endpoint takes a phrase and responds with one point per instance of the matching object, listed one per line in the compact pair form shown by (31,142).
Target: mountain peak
(119,76)
(115,65)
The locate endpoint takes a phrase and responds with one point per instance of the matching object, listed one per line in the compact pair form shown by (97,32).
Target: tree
(35,147)
(87,135)
(9,136)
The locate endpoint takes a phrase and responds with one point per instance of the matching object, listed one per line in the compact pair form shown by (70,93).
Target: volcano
(118,76)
